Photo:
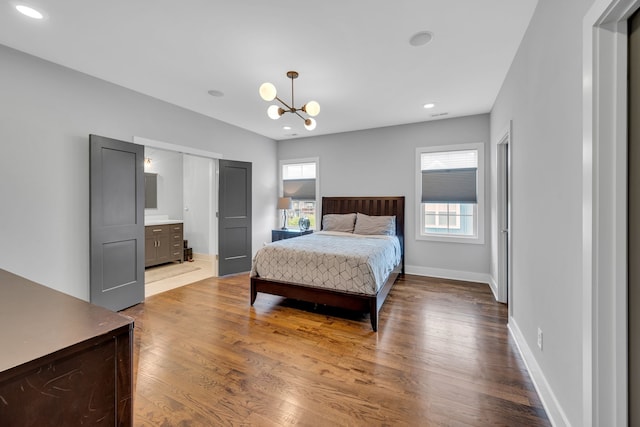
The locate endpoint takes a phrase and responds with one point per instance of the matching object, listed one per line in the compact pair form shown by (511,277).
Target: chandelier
(268,93)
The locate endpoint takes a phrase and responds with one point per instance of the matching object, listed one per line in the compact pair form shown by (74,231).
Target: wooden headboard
(369,206)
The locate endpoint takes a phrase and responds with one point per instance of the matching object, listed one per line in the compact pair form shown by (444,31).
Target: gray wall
(46,115)
(382,162)
(542,94)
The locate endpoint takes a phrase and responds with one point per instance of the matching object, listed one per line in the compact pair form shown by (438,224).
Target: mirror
(150,190)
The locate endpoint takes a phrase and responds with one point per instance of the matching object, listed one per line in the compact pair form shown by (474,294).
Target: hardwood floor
(442,356)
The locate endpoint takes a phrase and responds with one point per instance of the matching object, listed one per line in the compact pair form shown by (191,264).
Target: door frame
(503,151)
(604,196)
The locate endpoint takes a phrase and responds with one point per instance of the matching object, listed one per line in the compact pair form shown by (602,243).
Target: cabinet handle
(157,230)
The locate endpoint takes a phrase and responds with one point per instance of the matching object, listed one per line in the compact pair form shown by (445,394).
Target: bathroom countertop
(163,221)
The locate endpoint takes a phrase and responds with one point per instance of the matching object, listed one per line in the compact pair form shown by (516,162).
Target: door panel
(117,223)
(234,223)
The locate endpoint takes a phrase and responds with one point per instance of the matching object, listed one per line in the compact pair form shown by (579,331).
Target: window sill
(472,240)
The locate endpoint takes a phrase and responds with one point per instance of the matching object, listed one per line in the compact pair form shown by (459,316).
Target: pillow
(378,225)
(339,222)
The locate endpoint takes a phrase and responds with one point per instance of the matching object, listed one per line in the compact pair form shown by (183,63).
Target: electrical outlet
(540,339)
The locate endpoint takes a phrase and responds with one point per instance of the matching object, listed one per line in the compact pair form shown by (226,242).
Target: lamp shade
(310,124)
(312,108)
(268,91)
(274,112)
(284,203)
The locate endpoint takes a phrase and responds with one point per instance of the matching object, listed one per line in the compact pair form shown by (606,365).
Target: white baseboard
(494,287)
(443,273)
(551,405)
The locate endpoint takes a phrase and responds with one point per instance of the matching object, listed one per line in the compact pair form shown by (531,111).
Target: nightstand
(287,234)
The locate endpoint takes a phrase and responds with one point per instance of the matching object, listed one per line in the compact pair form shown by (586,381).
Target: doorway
(187,183)
(504,218)
(605,226)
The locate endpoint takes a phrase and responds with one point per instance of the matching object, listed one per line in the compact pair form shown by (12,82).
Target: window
(450,193)
(299,180)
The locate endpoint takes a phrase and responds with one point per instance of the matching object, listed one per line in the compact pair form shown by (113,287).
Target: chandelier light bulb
(268,91)
(310,124)
(274,112)
(312,108)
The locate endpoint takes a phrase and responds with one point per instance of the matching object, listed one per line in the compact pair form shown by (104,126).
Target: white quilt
(332,260)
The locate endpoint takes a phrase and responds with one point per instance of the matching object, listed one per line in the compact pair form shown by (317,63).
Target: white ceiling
(353,56)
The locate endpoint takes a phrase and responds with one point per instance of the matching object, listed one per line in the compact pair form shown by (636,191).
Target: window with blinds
(448,191)
(299,182)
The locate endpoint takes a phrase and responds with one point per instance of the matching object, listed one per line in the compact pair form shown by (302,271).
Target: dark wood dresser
(63,361)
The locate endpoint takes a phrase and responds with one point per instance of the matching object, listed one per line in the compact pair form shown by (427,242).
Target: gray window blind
(299,189)
(449,176)
(449,186)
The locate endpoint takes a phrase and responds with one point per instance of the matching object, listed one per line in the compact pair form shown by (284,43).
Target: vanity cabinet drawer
(154,230)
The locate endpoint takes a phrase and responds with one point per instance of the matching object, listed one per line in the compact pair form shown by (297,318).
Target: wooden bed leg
(254,293)
(374,315)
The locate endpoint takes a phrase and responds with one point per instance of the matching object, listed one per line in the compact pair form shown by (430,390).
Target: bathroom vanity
(163,242)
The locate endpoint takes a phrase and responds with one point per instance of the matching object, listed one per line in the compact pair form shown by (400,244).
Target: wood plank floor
(442,356)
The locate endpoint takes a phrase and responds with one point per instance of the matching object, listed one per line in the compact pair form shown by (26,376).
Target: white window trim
(315,160)
(479,238)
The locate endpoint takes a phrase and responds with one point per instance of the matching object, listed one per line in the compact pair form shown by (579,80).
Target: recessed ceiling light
(421,38)
(216,93)
(429,105)
(286,127)
(29,11)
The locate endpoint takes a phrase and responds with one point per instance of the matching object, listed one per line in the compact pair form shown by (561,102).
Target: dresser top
(37,321)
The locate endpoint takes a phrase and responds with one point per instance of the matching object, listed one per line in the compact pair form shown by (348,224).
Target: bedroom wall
(46,115)
(542,94)
(382,162)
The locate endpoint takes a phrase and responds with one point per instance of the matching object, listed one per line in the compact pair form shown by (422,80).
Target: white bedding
(331,260)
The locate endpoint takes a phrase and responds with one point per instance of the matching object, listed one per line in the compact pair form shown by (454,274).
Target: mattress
(330,260)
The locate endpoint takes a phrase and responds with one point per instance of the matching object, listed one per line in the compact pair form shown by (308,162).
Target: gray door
(634,220)
(117,223)
(234,223)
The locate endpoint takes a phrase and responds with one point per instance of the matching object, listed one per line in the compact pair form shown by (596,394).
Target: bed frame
(350,301)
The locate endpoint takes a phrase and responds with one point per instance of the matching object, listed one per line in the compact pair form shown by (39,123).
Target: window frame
(480,208)
(315,160)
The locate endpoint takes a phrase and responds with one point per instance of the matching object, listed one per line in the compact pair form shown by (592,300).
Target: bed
(357,298)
